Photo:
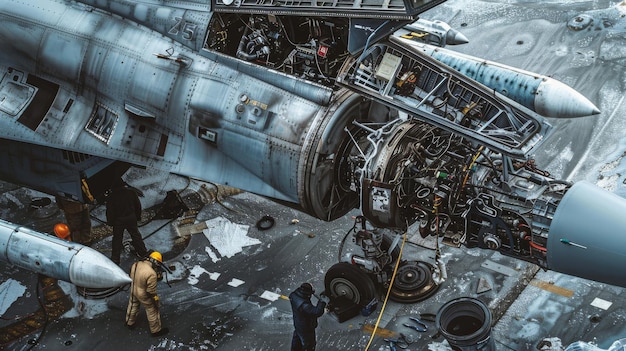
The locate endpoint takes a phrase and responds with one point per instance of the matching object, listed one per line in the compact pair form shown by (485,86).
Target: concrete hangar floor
(227,294)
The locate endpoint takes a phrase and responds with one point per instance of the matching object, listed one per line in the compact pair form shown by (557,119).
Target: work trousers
(303,341)
(129,224)
(80,225)
(152,312)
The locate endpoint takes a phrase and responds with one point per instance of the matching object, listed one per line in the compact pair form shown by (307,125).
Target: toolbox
(343,309)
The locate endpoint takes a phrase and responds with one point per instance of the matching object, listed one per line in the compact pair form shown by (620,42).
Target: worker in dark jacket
(123,212)
(305,316)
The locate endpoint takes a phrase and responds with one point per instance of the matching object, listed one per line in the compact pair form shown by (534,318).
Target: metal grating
(389,9)
(442,97)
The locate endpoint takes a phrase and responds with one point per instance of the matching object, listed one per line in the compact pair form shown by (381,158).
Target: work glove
(157,302)
(325,299)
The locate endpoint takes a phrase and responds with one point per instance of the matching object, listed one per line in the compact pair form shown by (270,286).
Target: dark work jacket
(304,313)
(123,205)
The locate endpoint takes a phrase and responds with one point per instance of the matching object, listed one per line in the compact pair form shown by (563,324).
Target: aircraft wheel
(413,282)
(350,282)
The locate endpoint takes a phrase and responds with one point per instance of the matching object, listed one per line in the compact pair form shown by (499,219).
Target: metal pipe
(465,322)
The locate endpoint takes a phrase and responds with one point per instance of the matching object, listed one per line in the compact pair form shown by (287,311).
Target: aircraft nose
(555,99)
(587,235)
(454,37)
(90,269)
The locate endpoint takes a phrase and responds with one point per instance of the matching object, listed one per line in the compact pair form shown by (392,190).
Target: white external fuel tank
(57,258)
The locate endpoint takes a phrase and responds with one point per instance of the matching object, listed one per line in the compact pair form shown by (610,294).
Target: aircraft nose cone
(586,236)
(91,269)
(555,99)
(454,37)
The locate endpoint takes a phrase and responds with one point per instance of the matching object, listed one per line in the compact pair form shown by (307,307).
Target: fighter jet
(315,104)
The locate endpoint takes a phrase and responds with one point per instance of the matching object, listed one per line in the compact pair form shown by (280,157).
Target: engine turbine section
(454,188)
(445,185)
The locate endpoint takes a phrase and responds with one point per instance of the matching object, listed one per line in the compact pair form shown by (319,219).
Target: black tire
(265,223)
(344,279)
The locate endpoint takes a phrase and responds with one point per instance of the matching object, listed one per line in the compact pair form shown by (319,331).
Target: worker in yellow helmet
(143,290)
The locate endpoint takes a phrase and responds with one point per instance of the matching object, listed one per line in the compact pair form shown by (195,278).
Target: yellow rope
(382,309)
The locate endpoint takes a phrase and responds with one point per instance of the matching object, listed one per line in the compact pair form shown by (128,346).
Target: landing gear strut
(361,278)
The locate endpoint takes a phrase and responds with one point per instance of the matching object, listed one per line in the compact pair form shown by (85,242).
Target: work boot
(161,332)
(130,326)
(126,245)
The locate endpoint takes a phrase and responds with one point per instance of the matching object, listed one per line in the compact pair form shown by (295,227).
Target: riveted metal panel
(21,43)
(153,88)
(61,55)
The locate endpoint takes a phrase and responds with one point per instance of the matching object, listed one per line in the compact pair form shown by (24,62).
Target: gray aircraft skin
(319,107)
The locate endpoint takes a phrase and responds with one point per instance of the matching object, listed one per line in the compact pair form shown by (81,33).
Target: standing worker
(143,290)
(77,217)
(123,212)
(305,316)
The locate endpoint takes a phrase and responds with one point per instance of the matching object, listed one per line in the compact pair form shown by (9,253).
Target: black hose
(159,228)
(98,294)
(351,230)
(266,222)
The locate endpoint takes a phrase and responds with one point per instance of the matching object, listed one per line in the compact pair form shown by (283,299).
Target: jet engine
(416,177)
(307,47)
(452,187)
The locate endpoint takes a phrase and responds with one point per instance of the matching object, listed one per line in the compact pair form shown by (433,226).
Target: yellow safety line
(552,288)
(385,333)
(382,309)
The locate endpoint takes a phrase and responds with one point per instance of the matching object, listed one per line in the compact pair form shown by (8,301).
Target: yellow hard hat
(157,256)
(61,230)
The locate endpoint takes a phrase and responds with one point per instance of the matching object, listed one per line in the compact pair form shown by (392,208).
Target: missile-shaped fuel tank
(435,32)
(587,237)
(57,258)
(544,95)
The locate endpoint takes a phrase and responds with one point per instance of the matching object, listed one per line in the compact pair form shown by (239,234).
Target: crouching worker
(305,316)
(144,290)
